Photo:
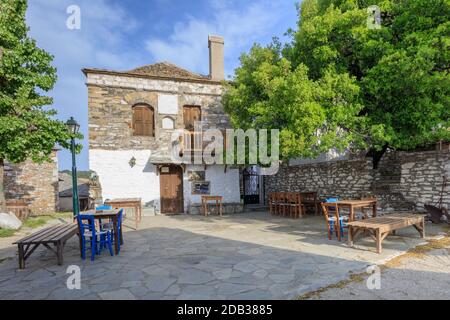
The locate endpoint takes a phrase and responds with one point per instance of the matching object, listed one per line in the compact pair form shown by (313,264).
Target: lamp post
(73,128)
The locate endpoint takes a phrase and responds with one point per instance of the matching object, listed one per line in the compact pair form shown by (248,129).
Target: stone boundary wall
(35,183)
(422,175)
(403,181)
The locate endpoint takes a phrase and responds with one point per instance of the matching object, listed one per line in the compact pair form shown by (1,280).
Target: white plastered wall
(119,180)
(225,184)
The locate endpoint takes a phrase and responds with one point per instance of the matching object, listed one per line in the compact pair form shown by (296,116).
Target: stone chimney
(216,58)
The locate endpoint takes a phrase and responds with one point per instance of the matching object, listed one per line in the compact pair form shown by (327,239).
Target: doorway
(171,189)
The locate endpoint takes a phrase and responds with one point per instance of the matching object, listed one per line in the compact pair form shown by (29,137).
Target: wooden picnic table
(217,199)
(135,203)
(55,235)
(354,204)
(114,216)
(380,227)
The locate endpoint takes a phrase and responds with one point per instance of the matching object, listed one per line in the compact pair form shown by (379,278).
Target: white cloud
(104,27)
(240,23)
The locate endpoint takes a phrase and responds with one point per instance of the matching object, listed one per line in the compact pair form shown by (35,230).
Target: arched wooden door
(171,189)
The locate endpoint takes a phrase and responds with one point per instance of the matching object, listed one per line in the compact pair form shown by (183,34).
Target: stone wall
(422,177)
(37,184)
(338,178)
(110,110)
(403,181)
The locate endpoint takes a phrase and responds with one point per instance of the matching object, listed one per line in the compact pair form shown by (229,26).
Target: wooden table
(380,227)
(354,204)
(114,216)
(134,203)
(217,199)
(55,235)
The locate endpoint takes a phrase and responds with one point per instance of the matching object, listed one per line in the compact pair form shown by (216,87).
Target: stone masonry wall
(403,181)
(110,110)
(422,177)
(338,178)
(37,184)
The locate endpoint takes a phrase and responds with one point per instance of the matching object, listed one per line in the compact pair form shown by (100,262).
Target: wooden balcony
(193,142)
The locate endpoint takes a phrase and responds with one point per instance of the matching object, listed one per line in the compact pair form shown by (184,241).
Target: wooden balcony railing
(194,143)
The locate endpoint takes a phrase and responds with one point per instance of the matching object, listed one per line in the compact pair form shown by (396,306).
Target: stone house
(35,184)
(132,117)
(89,192)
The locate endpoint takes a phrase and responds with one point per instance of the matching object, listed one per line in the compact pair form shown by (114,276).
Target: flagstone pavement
(242,256)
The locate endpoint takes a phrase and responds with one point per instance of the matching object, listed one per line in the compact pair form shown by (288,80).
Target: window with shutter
(143,121)
(191,114)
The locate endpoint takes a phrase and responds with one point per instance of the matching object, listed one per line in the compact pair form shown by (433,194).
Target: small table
(217,199)
(380,227)
(134,203)
(354,204)
(114,216)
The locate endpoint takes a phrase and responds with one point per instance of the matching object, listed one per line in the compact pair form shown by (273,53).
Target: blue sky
(122,35)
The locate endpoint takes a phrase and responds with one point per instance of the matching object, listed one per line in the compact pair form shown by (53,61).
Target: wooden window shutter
(191,114)
(143,121)
(148,117)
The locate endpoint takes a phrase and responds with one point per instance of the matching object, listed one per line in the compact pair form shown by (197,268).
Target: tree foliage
(375,88)
(27,128)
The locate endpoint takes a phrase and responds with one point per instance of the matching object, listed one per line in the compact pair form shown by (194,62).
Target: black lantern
(72,126)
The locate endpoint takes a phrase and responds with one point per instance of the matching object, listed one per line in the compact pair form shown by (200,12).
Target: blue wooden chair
(103,208)
(335,222)
(108,226)
(89,235)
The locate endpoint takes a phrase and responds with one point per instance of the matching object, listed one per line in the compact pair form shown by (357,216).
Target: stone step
(255,208)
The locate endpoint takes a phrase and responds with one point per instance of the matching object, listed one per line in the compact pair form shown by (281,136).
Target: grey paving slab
(121,294)
(244,256)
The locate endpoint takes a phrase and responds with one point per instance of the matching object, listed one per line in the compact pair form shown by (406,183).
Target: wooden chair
(272,203)
(297,208)
(335,222)
(279,207)
(286,204)
(309,200)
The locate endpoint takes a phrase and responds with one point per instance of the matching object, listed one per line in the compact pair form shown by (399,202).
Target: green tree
(398,75)
(27,128)
(268,93)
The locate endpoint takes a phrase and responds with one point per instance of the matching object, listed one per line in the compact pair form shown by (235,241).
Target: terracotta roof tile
(166,69)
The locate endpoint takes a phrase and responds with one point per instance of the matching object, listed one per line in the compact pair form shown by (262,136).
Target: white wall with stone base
(119,180)
(225,184)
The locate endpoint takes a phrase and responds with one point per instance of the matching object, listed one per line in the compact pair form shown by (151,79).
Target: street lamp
(73,128)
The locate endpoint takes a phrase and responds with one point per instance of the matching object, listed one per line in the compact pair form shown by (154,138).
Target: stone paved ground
(422,278)
(246,256)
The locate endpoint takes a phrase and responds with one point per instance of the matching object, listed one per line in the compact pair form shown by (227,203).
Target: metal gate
(251,185)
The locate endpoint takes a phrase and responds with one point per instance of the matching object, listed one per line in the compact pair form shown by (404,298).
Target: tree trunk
(377,155)
(2,189)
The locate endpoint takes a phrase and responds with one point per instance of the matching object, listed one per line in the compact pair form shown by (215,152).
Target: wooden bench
(380,227)
(19,208)
(55,235)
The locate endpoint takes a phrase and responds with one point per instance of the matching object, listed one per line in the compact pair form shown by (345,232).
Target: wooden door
(171,188)
(190,115)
